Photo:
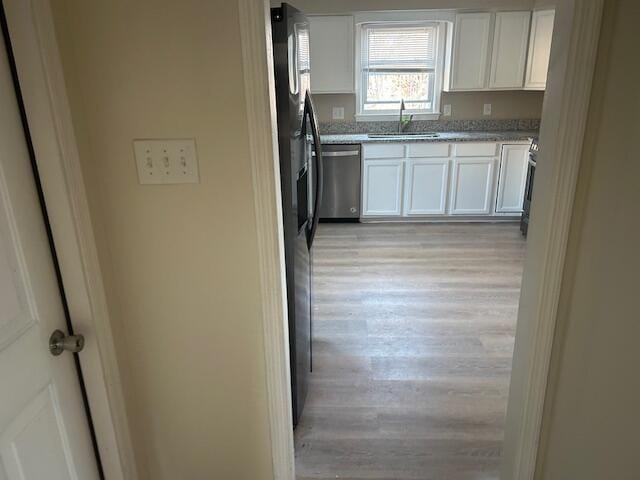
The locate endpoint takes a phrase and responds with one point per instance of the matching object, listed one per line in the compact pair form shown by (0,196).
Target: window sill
(368,117)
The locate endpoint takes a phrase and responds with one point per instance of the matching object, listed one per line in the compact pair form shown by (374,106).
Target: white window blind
(398,62)
(303,63)
(303,50)
(395,48)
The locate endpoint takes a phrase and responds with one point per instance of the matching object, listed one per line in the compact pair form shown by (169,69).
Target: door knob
(59,342)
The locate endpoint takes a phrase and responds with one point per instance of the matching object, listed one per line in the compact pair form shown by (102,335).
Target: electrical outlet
(166,161)
(486,110)
(337,113)
(447,110)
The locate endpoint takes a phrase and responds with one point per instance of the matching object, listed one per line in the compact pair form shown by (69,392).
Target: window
(299,68)
(400,61)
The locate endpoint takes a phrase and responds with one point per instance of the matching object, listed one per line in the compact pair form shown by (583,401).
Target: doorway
(569,83)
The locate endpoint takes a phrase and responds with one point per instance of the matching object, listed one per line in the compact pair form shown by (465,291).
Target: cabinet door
(426,186)
(509,54)
(512,178)
(331,54)
(470,52)
(539,49)
(472,186)
(382,187)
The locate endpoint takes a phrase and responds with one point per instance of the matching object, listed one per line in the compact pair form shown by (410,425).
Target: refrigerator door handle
(310,110)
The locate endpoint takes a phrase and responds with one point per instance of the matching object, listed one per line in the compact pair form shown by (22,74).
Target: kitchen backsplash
(338,126)
(505,105)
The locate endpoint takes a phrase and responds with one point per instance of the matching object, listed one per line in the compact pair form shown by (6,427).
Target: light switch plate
(337,113)
(165,161)
(486,109)
(447,110)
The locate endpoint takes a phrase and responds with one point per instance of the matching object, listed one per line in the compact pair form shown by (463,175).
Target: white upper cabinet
(470,51)
(509,54)
(512,178)
(501,51)
(332,54)
(539,49)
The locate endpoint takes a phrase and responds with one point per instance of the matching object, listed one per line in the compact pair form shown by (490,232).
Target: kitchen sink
(404,134)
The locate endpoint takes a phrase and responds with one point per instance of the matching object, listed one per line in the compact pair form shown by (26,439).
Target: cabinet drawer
(416,150)
(388,150)
(475,149)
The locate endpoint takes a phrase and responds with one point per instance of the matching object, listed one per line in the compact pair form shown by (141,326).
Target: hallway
(413,335)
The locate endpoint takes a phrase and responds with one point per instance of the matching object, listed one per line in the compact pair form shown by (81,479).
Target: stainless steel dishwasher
(341,183)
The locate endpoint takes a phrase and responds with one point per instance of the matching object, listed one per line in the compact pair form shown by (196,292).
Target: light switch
(486,110)
(337,113)
(447,110)
(166,161)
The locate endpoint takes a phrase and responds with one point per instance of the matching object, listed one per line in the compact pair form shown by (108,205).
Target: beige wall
(180,261)
(464,105)
(592,416)
(541,4)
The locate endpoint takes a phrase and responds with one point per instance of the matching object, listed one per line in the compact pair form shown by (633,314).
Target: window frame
(441,35)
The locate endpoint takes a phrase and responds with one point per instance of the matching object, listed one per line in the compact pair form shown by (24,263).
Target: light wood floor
(413,337)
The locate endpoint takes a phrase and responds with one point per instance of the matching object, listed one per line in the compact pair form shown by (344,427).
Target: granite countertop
(466,136)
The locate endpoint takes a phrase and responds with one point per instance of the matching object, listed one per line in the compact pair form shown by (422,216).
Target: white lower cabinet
(472,186)
(440,179)
(382,187)
(426,186)
(512,178)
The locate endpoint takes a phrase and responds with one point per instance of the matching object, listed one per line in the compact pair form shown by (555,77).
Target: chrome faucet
(403,124)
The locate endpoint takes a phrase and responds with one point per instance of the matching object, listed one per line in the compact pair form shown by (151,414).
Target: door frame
(565,109)
(43,88)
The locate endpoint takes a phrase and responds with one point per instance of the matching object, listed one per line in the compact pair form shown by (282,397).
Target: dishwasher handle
(341,153)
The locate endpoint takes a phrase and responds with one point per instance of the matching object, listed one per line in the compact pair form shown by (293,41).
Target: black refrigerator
(301,184)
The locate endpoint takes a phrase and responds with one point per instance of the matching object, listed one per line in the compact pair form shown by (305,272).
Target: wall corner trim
(257,61)
(572,113)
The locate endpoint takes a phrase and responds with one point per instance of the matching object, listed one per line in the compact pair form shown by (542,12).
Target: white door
(472,186)
(539,49)
(382,189)
(426,186)
(470,51)
(44,432)
(509,54)
(512,178)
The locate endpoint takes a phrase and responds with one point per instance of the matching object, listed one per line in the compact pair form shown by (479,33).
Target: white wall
(180,261)
(592,417)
